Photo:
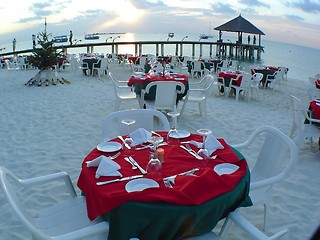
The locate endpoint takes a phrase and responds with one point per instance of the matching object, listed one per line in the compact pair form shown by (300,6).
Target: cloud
(255,3)
(145,4)
(308,6)
(294,18)
(223,8)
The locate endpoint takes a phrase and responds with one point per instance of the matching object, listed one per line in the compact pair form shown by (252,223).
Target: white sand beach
(50,129)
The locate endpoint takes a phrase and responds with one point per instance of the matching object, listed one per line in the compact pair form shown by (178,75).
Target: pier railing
(218,48)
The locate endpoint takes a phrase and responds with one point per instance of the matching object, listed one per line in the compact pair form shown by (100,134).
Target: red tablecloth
(188,190)
(233,75)
(157,77)
(315,109)
(133,59)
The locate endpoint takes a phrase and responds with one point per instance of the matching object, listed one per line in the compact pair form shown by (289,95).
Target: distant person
(34,40)
(254,40)
(14,44)
(248,39)
(70,38)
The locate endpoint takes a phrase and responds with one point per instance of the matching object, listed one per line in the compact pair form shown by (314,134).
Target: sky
(289,21)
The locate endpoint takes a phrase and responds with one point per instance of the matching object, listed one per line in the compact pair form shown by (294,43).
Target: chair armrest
(251,229)
(50,178)
(267,182)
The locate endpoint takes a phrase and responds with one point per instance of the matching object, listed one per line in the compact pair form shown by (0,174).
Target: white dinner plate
(181,134)
(109,146)
(141,184)
(180,79)
(225,168)
(318,104)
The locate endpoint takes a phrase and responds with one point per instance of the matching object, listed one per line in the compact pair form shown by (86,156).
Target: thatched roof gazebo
(240,25)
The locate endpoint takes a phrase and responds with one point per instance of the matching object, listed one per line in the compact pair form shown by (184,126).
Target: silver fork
(115,156)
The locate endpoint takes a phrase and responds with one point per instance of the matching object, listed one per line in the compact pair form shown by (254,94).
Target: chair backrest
(198,65)
(149,119)
(142,60)
(246,80)
(166,93)
(206,83)
(9,183)
(276,156)
(256,78)
(299,114)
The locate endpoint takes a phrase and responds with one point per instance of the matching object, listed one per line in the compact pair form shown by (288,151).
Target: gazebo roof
(239,24)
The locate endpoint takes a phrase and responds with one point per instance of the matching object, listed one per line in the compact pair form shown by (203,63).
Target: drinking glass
(173,134)
(128,139)
(203,152)
(154,166)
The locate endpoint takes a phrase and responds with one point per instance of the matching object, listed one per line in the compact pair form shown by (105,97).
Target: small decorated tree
(46,56)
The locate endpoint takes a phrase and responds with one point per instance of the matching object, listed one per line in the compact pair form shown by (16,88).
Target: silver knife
(191,152)
(137,165)
(124,142)
(119,180)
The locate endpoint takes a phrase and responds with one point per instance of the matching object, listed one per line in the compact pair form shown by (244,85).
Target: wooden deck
(221,49)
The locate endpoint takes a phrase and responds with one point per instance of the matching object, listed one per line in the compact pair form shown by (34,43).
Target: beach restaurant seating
(274,79)
(198,93)
(244,88)
(149,119)
(255,83)
(276,157)
(304,125)
(66,219)
(122,92)
(165,97)
(248,227)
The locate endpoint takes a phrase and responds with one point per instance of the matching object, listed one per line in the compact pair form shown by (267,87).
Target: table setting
(114,175)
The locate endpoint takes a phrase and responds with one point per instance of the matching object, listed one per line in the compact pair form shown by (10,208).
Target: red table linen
(157,77)
(188,190)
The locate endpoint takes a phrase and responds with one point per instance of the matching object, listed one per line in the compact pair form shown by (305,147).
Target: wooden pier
(216,49)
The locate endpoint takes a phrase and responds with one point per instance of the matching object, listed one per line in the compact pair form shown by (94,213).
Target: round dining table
(192,206)
(140,81)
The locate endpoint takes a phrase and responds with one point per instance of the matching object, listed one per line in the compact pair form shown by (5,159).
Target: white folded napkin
(211,144)
(106,166)
(140,136)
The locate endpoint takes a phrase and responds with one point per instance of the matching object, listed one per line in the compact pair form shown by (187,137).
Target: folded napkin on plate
(140,136)
(211,144)
(106,166)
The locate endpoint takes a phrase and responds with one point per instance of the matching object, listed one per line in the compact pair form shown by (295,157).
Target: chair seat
(65,216)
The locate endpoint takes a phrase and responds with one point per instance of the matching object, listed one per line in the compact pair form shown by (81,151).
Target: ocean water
(302,62)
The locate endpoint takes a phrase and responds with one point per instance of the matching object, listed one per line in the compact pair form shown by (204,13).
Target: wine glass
(203,152)
(128,140)
(173,134)
(154,166)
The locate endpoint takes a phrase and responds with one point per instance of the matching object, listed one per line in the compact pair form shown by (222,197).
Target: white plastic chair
(149,119)
(166,95)
(198,93)
(276,156)
(122,92)
(255,83)
(61,221)
(313,91)
(248,227)
(244,88)
(197,69)
(274,79)
(84,67)
(301,130)
(100,67)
